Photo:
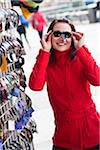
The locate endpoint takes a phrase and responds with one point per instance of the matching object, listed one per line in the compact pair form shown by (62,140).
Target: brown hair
(72,52)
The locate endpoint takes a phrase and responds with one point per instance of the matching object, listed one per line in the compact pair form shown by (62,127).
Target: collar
(62,54)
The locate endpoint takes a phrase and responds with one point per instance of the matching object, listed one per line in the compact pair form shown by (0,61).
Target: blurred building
(75,10)
(58,2)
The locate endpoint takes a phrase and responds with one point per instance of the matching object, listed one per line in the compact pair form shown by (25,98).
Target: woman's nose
(62,37)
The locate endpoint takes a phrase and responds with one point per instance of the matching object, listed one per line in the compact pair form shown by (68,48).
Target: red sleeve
(38,75)
(92,71)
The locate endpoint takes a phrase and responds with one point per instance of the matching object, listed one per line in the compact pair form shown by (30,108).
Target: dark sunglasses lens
(67,35)
(57,34)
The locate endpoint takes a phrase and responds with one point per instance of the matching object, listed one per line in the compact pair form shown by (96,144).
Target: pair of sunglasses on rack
(65,34)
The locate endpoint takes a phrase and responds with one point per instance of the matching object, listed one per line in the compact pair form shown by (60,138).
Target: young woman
(68,68)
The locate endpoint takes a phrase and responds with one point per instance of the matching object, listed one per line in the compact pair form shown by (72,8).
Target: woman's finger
(77,35)
(45,37)
(49,37)
(49,32)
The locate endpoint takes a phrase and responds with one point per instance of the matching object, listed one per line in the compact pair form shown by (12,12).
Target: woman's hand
(46,41)
(78,39)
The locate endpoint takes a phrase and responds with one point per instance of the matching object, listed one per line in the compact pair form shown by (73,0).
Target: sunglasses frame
(59,34)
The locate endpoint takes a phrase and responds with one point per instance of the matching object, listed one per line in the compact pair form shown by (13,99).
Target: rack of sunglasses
(16,125)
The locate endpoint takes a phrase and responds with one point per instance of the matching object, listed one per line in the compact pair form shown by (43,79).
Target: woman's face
(61,36)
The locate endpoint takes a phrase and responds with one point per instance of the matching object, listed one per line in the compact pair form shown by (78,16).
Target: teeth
(61,44)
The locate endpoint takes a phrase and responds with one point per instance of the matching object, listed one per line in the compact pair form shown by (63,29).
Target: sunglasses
(64,34)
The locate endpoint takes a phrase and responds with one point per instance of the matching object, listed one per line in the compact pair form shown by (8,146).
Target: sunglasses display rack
(16,125)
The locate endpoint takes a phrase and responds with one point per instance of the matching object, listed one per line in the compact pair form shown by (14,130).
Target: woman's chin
(61,48)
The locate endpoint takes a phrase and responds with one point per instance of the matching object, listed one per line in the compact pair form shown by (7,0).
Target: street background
(43,114)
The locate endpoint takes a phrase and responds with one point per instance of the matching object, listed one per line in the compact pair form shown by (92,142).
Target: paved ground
(43,113)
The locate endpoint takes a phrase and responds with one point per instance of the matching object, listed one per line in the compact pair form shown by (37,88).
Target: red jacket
(68,84)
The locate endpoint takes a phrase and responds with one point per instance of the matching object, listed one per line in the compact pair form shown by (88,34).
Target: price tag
(11,125)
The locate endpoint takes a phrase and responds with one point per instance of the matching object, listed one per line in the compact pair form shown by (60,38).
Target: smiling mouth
(61,44)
